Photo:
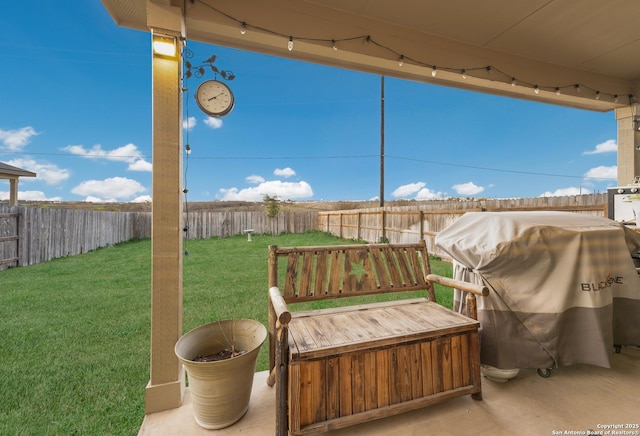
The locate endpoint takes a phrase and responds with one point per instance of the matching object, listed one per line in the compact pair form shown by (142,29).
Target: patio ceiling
(582,54)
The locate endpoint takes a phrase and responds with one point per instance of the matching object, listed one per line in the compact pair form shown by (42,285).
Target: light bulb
(597,95)
(188,149)
(615,98)
(464,74)
(243,28)
(290,43)
(536,89)
(333,44)
(489,69)
(578,89)
(434,71)
(401,61)
(513,81)
(557,91)
(164,45)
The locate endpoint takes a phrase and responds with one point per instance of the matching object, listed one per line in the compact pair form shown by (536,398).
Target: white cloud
(282,190)
(15,140)
(609,146)
(142,199)
(140,165)
(602,172)
(408,190)
(254,179)
(428,194)
(214,123)
(48,172)
(30,196)
(92,199)
(189,123)
(566,191)
(468,188)
(127,153)
(109,189)
(417,190)
(284,172)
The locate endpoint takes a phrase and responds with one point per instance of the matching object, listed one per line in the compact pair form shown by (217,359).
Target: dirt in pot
(222,355)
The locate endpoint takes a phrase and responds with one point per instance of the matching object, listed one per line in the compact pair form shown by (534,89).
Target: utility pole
(382,141)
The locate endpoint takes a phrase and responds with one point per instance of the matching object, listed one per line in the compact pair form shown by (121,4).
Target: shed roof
(11,172)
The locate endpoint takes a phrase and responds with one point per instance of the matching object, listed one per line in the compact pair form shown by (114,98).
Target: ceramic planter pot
(220,390)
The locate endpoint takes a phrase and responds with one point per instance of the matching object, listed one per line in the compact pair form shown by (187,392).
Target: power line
(497,169)
(363,156)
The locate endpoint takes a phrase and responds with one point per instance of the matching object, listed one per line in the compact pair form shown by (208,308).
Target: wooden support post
(167,381)
(282,378)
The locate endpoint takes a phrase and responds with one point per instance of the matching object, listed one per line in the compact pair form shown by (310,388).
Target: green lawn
(75,331)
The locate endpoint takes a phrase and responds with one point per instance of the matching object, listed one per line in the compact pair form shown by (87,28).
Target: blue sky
(75,107)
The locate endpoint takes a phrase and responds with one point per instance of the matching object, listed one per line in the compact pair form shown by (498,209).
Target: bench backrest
(337,271)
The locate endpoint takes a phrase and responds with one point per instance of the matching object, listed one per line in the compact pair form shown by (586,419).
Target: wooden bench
(346,365)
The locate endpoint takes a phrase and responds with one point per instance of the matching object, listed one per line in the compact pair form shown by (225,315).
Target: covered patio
(582,56)
(578,398)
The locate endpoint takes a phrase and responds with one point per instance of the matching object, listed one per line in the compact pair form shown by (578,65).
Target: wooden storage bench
(346,365)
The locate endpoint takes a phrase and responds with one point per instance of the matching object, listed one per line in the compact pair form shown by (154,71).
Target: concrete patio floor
(574,400)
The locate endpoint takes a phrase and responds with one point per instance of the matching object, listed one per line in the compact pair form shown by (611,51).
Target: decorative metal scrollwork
(207,65)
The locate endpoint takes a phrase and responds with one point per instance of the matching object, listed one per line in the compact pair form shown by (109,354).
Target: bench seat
(341,366)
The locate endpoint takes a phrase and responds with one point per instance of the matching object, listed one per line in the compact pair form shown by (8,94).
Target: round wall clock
(215,98)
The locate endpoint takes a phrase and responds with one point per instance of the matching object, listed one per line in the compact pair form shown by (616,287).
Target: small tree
(272,204)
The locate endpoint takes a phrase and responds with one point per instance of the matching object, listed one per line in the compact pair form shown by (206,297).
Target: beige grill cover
(563,286)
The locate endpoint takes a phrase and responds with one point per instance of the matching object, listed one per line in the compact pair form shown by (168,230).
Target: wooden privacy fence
(30,235)
(35,235)
(9,239)
(408,224)
(204,224)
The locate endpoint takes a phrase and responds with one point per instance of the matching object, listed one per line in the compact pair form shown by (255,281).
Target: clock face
(214,98)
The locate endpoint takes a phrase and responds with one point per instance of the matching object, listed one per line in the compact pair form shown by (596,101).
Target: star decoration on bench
(358,270)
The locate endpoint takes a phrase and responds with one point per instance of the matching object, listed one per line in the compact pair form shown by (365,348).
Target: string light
(367,40)
(186,54)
